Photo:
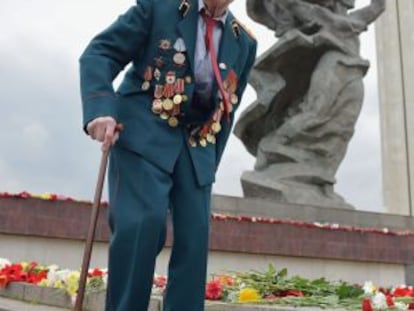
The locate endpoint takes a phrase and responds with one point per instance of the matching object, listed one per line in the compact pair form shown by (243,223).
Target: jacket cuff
(100,105)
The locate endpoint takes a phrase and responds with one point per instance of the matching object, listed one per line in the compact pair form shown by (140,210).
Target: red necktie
(210,24)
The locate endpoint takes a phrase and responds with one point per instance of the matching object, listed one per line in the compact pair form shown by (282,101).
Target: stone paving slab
(7,304)
(26,297)
(22,297)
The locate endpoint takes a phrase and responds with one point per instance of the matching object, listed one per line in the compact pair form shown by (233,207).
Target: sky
(43,148)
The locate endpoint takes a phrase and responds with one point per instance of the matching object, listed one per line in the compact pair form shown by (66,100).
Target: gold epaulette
(246,29)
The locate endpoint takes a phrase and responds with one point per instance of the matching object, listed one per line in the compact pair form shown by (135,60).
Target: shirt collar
(222,18)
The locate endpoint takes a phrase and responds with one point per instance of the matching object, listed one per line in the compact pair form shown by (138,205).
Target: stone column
(395,53)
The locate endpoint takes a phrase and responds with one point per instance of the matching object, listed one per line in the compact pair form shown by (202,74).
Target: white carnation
(369,288)
(4,262)
(379,301)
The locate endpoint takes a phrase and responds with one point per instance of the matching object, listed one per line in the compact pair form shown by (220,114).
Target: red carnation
(3,281)
(295,293)
(214,290)
(366,305)
(95,272)
(390,301)
(404,292)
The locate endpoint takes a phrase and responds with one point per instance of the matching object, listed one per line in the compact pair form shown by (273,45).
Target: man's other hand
(103,129)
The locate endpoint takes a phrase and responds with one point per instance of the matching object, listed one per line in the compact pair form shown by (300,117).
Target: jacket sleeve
(107,55)
(225,132)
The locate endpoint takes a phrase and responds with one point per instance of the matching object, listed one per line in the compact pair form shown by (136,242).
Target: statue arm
(306,13)
(369,13)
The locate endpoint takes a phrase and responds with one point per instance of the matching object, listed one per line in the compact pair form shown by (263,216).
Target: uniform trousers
(140,196)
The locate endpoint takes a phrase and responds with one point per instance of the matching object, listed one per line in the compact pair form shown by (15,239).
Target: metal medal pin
(157,106)
(158,91)
(167,104)
(179,86)
(234,99)
(145,85)
(170,77)
(173,122)
(179,58)
(178,99)
(192,142)
(147,77)
(203,142)
(211,138)
(164,44)
(184,7)
(164,116)
(157,74)
(216,127)
(188,79)
(222,66)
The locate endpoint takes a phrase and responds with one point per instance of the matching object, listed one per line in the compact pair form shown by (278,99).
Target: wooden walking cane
(92,227)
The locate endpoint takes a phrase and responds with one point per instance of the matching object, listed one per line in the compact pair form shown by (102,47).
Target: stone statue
(310,93)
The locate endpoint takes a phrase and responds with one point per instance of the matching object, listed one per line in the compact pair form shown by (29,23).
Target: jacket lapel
(229,51)
(187,28)
(229,46)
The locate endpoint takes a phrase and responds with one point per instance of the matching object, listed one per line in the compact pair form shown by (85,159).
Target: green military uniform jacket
(146,35)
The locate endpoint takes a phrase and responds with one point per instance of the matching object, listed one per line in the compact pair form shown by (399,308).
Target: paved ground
(14,305)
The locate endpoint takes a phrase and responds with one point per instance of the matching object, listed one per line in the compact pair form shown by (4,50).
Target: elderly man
(190,62)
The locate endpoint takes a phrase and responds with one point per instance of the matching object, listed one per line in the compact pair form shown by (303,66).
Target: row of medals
(169,97)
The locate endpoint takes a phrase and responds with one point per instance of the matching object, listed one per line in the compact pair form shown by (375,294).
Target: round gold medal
(164,116)
(173,122)
(157,106)
(178,99)
(179,58)
(145,85)
(234,99)
(216,127)
(167,104)
(192,142)
(211,138)
(203,142)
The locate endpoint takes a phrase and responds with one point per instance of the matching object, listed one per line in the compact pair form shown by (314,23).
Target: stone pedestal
(395,45)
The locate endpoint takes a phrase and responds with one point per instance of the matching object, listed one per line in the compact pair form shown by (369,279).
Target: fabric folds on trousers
(140,196)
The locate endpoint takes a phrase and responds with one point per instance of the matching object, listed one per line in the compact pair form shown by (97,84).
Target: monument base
(245,234)
(258,184)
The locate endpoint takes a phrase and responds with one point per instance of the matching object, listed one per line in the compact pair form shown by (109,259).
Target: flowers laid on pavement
(49,276)
(249,295)
(271,287)
(20,272)
(397,298)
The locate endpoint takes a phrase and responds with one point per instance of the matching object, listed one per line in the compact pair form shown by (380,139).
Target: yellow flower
(71,289)
(73,277)
(249,295)
(71,282)
(45,196)
(43,283)
(25,265)
(42,196)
